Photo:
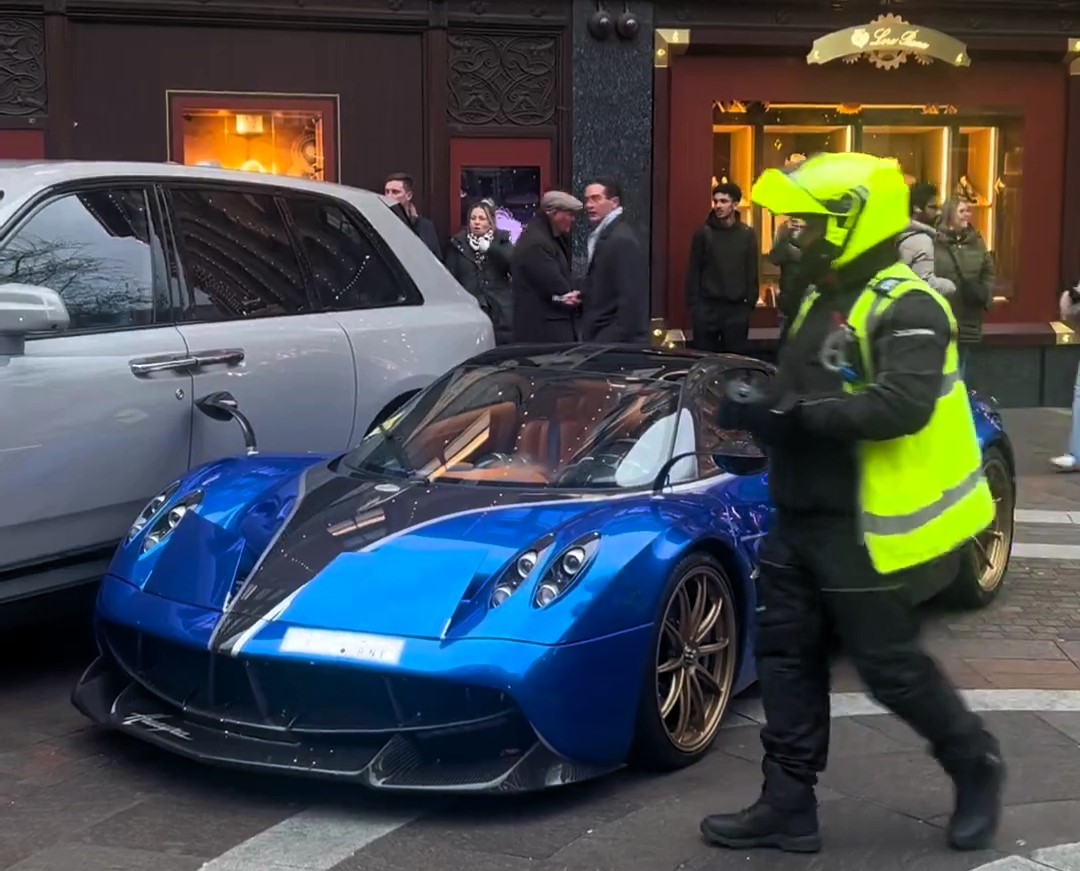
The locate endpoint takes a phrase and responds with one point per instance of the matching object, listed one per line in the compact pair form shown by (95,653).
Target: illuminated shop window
(973,154)
(515,192)
(276,135)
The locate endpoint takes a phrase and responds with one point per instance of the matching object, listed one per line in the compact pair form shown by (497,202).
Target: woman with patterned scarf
(479,258)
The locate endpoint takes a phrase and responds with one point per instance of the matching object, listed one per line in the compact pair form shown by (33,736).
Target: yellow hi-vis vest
(922,495)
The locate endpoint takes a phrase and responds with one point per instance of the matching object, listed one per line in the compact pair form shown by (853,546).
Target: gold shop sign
(887,42)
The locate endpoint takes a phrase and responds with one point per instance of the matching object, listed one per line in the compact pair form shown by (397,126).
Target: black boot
(761,825)
(979,783)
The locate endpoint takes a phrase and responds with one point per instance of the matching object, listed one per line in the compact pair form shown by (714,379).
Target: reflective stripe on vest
(922,495)
(898,525)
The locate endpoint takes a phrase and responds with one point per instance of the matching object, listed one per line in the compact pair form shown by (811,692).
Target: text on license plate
(343,645)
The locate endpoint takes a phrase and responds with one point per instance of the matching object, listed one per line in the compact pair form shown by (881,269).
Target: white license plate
(344,645)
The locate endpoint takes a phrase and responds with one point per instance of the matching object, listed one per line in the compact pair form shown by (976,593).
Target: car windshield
(531,426)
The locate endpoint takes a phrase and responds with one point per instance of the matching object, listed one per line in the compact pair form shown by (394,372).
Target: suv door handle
(220,356)
(142,366)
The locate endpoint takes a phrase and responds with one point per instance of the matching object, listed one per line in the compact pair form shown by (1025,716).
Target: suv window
(347,269)
(237,257)
(97,250)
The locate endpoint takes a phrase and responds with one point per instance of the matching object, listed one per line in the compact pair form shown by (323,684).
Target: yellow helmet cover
(864,199)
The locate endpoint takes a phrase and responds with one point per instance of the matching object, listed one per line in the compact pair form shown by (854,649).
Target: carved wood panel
(502,80)
(22,67)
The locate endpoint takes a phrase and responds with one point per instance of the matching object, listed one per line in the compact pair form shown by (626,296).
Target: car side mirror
(741,464)
(25,309)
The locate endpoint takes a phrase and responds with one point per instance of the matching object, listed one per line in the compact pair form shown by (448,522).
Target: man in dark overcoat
(545,302)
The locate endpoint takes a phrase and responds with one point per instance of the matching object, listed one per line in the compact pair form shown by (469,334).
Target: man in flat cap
(545,303)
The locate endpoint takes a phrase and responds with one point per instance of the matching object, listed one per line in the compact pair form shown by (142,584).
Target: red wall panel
(22,144)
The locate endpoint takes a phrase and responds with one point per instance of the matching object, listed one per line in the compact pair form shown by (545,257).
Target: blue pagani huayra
(539,570)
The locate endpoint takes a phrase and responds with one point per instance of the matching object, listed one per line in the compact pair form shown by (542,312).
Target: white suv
(128,292)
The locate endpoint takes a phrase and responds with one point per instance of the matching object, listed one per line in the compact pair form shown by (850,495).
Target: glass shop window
(514,191)
(288,143)
(974,154)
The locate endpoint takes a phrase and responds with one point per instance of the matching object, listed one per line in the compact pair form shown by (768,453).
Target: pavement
(75,799)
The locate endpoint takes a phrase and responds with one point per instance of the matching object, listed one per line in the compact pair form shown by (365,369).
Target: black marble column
(612,115)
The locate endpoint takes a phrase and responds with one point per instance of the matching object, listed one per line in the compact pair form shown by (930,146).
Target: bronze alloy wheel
(992,546)
(695,662)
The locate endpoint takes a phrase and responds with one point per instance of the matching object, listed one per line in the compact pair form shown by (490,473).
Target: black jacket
(425,229)
(539,271)
(815,471)
(615,299)
(422,227)
(486,275)
(724,265)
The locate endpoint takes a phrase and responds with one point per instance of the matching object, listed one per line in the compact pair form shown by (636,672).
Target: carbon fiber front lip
(395,762)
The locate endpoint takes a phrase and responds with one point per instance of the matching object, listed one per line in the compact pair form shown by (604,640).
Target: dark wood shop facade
(489,97)
(337,90)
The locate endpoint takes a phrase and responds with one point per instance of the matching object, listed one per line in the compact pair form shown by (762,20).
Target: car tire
(707,672)
(985,559)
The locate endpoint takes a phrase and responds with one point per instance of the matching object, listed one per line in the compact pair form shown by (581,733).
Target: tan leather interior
(433,439)
(529,440)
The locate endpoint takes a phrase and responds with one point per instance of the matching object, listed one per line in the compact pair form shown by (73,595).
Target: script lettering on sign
(887,42)
(908,40)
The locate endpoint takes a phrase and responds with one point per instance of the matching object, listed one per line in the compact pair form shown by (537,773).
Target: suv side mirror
(25,309)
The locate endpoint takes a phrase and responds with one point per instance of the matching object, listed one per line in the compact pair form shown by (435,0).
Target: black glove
(768,419)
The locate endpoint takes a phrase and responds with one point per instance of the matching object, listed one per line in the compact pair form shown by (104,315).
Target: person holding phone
(545,302)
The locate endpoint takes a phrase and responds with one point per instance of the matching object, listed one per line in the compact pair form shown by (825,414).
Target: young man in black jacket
(722,277)
(400,186)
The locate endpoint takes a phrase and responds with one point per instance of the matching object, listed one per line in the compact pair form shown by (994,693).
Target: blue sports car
(536,571)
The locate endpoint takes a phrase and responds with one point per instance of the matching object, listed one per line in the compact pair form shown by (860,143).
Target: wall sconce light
(628,25)
(601,23)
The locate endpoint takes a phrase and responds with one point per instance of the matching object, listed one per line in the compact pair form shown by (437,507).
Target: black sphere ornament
(628,25)
(601,24)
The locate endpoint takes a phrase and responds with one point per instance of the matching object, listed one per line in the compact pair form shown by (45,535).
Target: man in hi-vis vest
(874,469)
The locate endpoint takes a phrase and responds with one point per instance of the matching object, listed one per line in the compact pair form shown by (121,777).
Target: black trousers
(817,588)
(721,329)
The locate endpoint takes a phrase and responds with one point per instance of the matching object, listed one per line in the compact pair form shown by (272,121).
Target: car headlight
(520,570)
(566,569)
(151,510)
(167,521)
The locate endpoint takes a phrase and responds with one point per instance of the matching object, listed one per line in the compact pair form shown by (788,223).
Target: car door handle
(220,356)
(161,363)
